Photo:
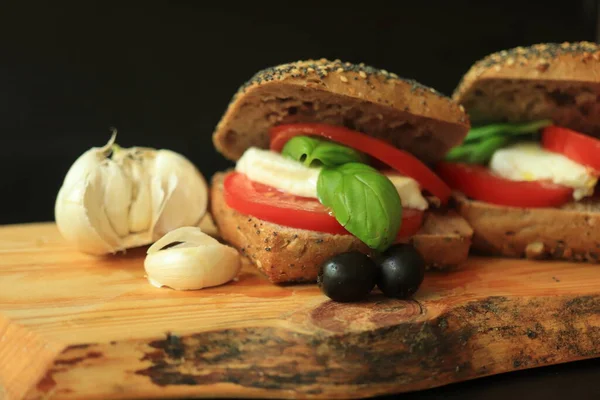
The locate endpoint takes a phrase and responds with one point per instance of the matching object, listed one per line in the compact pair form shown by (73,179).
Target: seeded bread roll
(402,112)
(287,255)
(569,233)
(556,81)
(550,80)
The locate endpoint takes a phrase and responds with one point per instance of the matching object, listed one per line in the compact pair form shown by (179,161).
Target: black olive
(402,270)
(347,276)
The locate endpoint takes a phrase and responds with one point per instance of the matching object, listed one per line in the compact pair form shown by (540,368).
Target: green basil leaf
(486,149)
(480,152)
(298,147)
(505,129)
(460,153)
(481,142)
(316,152)
(364,201)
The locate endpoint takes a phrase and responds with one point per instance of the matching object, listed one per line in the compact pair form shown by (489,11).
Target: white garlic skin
(113,199)
(198,262)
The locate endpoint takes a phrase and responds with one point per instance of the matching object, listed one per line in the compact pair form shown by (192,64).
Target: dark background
(163,73)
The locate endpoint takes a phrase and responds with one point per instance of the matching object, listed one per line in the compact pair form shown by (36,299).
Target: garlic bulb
(189,259)
(116,198)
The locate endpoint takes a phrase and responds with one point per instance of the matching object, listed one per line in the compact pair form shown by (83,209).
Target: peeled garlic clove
(196,261)
(185,190)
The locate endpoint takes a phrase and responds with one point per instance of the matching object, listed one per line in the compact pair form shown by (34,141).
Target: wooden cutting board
(75,326)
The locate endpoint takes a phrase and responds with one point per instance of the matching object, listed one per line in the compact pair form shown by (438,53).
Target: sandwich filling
(535,164)
(293,177)
(334,180)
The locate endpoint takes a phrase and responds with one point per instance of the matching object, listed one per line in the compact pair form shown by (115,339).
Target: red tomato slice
(576,146)
(400,160)
(480,183)
(269,204)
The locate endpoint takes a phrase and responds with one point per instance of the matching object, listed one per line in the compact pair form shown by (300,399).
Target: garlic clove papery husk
(116,198)
(80,220)
(88,162)
(140,211)
(166,190)
(183,186)
(190,235)
(195,261)
(118,191)
(94,206)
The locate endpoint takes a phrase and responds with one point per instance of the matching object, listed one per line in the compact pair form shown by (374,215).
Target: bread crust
(559,81)
(571,232)
(287,255)
(403,112)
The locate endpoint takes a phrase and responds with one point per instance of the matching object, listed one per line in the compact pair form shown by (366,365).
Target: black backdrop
(163,73)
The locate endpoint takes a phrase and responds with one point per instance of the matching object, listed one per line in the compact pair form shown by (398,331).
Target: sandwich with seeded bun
(336,157)
(525,177)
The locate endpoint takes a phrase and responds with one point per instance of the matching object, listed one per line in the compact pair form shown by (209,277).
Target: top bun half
(400,111)
(558,81)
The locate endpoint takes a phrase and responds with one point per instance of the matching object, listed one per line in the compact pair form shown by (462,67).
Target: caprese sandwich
(526,174)
(334,159)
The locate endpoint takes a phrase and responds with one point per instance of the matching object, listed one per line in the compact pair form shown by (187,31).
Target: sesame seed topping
(542,66)
(497,68)
(461,108)
(322,67)
(538,51)
(343,78)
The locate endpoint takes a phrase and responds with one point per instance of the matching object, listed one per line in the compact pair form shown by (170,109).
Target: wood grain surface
(74,326)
